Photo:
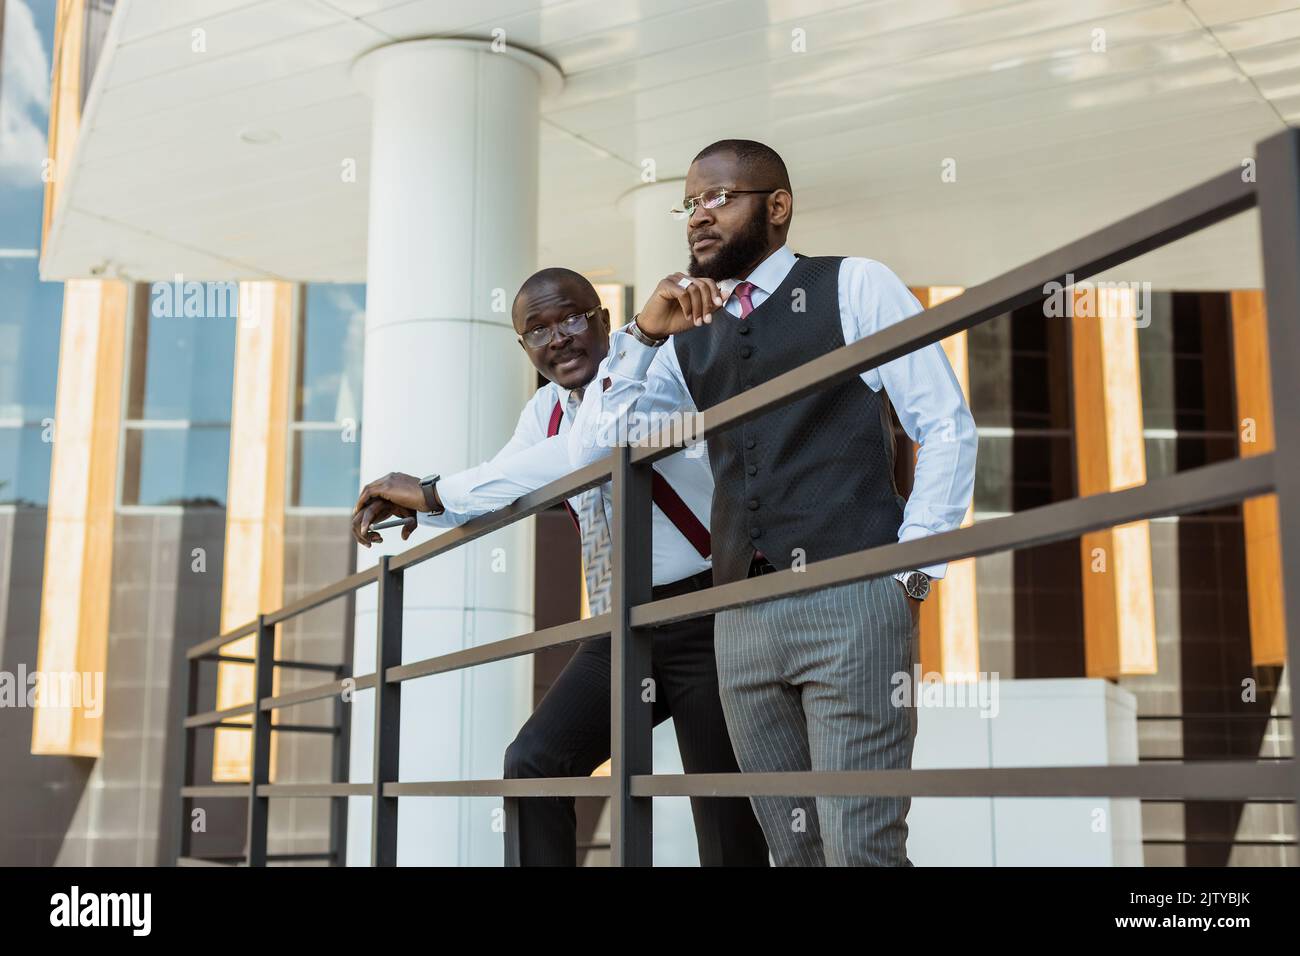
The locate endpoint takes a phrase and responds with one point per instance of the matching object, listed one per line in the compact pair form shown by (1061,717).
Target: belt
(760,565)
(696,582)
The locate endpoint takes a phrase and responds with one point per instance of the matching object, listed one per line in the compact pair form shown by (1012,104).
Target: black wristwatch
(430,502)
(915,583)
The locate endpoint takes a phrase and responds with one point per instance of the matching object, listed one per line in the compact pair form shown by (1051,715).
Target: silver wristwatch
(638,333)
(915,583)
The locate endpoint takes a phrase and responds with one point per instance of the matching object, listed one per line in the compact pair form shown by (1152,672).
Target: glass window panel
(28,37)
(327,469)
(330,352)
(184,365)
(176,466)
(24,466)
(31,314)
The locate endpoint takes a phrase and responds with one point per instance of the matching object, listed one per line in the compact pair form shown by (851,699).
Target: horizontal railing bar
(199,861)
(216,790)
(290,665)
(214,644)
(322,666)
(1217,841)
(582,630)
(1258,717)
(557,491)
(239,860)
(529,787)
(305,729)
(214,717)
(318,692)
(1262,800)
(539,500)
(1171,219)
(288,728)
(1196,489)
(338,589)
(1219,780)
(323,790)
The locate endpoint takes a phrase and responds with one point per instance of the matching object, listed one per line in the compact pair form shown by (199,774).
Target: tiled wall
(318,550)
(166,596)
(38,795)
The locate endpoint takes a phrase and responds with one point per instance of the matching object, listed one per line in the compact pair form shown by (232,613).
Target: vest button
(753,504)
(743,328)
(746,351)
(755,532)
(752,469)
(750,443)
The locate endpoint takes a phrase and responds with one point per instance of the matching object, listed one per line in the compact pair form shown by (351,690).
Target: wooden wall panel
(1259,515)
(253,581)
(1118,596)
(75,589)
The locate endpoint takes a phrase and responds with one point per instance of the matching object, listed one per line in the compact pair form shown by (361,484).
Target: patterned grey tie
(596,540)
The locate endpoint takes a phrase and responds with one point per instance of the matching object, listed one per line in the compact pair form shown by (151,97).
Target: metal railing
(631,784)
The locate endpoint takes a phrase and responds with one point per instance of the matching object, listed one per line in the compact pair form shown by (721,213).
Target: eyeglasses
(711,199)
(540,336)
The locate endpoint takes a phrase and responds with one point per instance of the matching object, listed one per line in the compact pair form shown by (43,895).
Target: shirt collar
(769,273)
(563,395)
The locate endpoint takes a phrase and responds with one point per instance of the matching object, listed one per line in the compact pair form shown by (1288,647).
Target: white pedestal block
(1036,723)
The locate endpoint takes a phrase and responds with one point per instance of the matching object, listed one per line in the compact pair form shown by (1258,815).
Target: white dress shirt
(921,385)
(531,460)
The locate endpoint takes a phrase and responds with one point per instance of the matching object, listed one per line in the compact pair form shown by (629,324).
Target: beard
(733,259)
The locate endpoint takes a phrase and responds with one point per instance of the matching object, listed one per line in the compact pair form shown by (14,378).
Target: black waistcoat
(815,476)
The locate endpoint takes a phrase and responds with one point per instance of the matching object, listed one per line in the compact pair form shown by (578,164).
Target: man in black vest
(807,682)
(565,333)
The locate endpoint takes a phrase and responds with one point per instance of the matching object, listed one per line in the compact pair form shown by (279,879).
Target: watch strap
(430,502)
(639,334)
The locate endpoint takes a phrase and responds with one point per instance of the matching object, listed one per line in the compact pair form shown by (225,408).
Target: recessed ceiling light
(259,137)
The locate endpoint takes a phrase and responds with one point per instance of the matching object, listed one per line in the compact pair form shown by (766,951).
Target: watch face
(917,584)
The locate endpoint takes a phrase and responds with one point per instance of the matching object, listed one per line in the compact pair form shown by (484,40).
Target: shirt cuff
(910,533)
(454,492)
(629,358)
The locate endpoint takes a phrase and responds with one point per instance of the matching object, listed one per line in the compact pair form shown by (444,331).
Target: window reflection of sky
(180,390)
(189,368)
(326,451)
(30,310)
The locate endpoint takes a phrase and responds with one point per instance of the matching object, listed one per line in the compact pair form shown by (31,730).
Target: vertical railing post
(339,772)
(1278,178)
(388,716)
(631,821)
(260,763)
(188,748)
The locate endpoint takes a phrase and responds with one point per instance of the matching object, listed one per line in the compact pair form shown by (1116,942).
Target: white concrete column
(660,239)
(453,232)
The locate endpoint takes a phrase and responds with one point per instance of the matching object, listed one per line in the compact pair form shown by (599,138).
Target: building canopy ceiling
(1056,118)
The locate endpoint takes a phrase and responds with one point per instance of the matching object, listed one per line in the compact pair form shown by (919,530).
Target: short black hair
(554,276)
(758,160)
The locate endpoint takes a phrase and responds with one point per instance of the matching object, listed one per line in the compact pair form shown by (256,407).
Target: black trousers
(568,736)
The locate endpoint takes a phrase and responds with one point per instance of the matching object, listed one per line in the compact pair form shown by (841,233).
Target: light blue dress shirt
(921,385)
(530,460)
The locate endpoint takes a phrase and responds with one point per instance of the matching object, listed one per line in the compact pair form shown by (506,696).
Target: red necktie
(743,292)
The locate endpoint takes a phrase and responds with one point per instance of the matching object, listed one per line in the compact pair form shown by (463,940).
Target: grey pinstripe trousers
(806,684)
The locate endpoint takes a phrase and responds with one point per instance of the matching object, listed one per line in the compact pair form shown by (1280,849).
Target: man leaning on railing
(565,333)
